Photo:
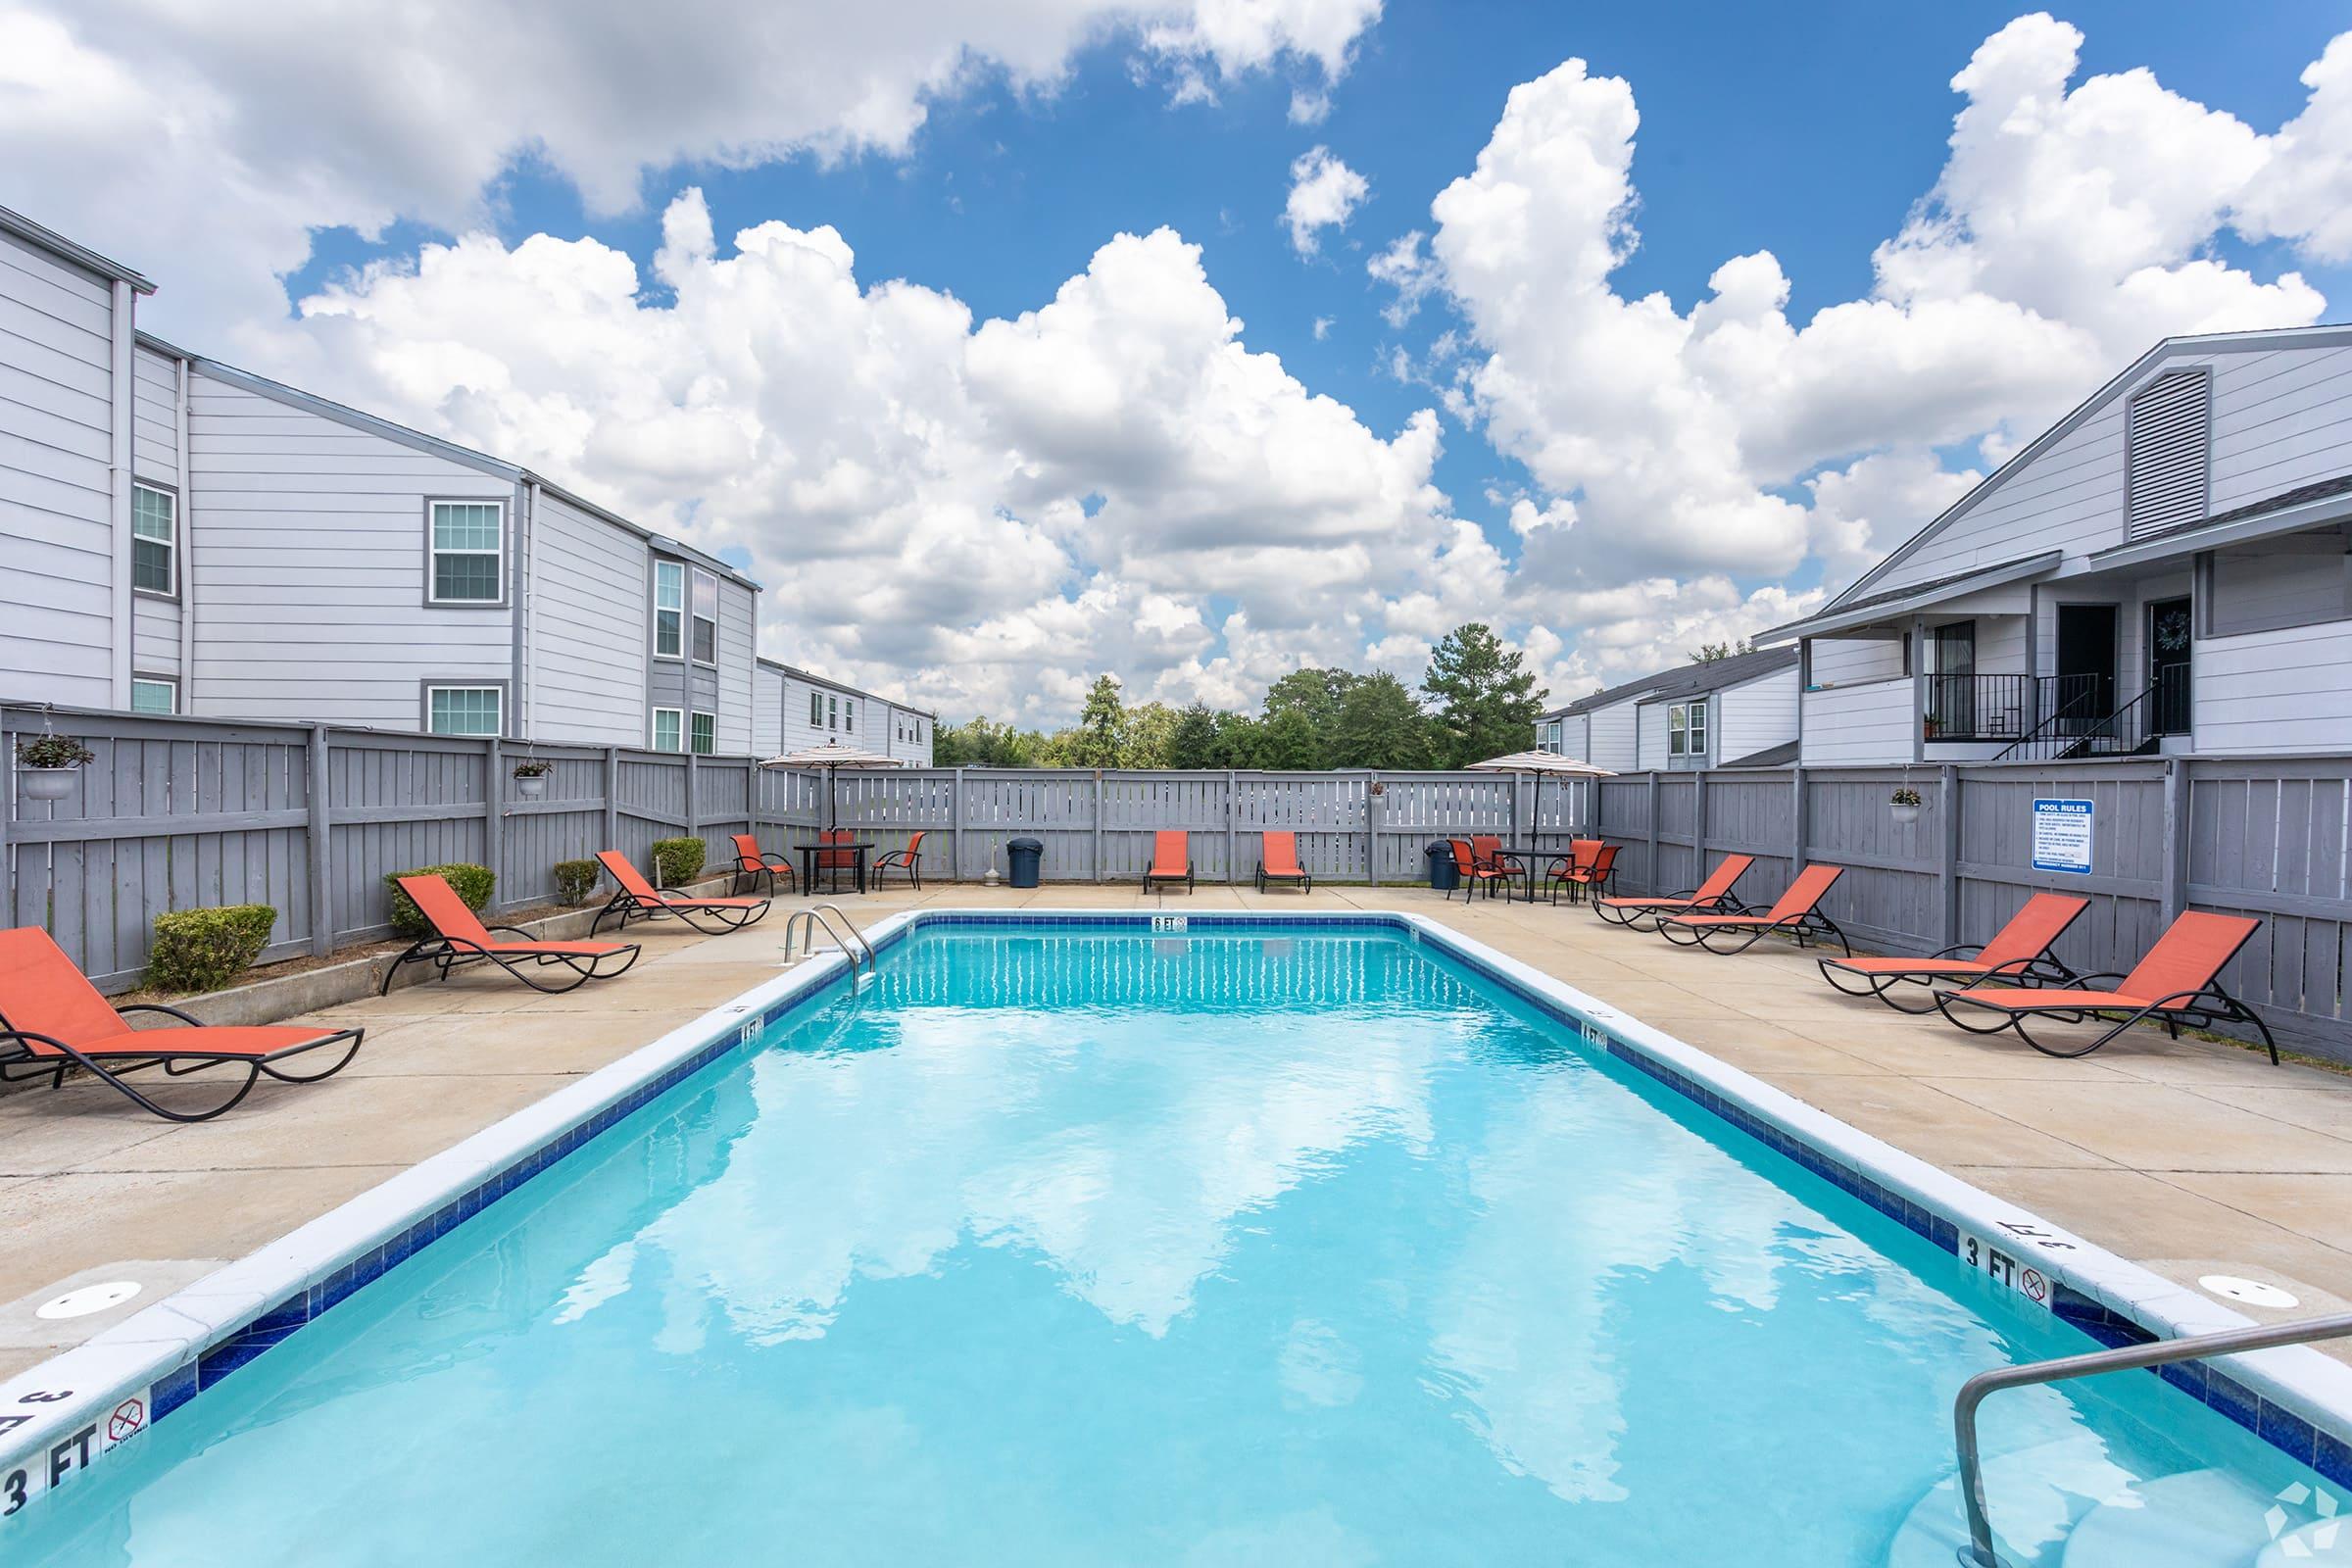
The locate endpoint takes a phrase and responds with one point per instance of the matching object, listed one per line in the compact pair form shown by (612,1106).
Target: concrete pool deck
(2188,1157)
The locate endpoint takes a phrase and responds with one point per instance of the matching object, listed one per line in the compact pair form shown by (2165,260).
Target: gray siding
(915,749)
(56,529)
(1755,716)
(767,711)
(588,600)
(1612,736)
(2273,691)
(311,567)
(738,644)
(1870,722)
(1847,662)
(1649,729)
(155,641)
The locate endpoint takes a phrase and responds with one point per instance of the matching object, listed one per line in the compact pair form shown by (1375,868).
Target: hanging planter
(46,765)
(530,778)
(1904,803)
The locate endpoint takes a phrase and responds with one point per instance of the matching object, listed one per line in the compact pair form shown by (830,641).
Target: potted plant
(46,763)
(1905,802)
(530,778)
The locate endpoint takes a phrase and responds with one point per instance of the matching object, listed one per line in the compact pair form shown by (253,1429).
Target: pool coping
(60,1416)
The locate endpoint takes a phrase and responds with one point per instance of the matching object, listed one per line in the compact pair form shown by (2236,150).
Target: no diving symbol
(127,1418)
(2037,1288)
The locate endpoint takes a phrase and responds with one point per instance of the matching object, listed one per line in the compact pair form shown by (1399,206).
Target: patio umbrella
(832,757)
(1541,763)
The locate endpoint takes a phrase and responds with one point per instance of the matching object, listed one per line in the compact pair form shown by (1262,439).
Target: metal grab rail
(837,926)
(1979,1552)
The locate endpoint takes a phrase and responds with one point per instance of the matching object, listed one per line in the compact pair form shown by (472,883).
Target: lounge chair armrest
(157,1006)
(511,931)
(1957,950)
(2103,974)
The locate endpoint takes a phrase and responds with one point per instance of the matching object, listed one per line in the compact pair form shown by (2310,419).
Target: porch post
(1919,688)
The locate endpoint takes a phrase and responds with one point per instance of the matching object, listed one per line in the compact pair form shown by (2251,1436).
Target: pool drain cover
(84,1300)
(2251,1292)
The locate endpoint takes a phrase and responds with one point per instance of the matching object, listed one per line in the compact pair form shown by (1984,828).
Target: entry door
(2168,666)
(2085,691)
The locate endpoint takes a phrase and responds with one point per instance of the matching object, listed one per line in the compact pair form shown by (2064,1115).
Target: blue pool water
(1089,1247)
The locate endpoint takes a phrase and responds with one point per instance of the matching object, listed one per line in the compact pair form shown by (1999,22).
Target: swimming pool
(1290,1242)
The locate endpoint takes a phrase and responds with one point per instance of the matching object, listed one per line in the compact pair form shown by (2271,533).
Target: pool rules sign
(2062,835)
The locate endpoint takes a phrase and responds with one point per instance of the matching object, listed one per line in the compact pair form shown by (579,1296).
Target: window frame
(496,687)
(170,683)
(171,546)
(833,712)
(702,734)
(654,731)
(695,619)
(678,628)
(849,715)
(433,552)
(1680,729)
(816,710)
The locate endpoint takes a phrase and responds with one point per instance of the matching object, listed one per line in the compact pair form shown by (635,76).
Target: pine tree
(1488,699)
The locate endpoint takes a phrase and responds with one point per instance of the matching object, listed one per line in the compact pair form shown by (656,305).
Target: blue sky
(1806,132)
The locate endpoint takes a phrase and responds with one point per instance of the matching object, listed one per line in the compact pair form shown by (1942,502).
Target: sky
(1009,342)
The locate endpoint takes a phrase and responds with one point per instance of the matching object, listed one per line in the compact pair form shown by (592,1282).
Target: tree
(1101,730)
(1192,743)
(1708,653)
(981,742)
(1319,694)
(1149,731)
(1488,701)
(1381,724)
(1289,740)
(1237,737)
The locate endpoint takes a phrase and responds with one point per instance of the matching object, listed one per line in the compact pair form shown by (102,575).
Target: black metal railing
(2006,707)
(2170,689)
(2078,729)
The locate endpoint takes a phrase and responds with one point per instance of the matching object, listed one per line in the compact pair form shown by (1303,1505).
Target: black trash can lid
(1437,846)
(1025,844)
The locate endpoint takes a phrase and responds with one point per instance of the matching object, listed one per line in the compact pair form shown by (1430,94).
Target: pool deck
(2188,1157)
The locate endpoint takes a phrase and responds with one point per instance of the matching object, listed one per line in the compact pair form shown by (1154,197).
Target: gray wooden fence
(178,814)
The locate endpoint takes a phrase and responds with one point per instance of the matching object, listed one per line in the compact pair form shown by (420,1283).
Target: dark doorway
(1952,681)
(2168,666)
(2085,693)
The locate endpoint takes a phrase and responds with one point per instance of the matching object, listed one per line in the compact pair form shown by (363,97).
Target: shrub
(576,879)
(204,950)
(677,862)
(473,883)
(53,751)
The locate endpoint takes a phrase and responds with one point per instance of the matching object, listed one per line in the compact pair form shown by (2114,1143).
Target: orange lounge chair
(908,859)
(1797,914)
(1278,861)
(1473,873)
(637,899)
(50,1019)
(2178,981)
(1711,896)
(1588,864)
(2018,950)
(753,865)
(459,938)
(1171,859)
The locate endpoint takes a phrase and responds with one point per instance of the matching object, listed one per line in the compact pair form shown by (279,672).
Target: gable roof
(843,686)
(1871,608)
(1685,681)
(41,237)
(2116,386)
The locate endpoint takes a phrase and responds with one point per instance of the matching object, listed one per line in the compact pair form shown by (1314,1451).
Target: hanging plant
(1905,802)
(530,776)
(47,762)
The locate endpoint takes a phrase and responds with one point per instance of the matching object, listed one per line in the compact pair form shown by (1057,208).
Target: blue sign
(2062,832)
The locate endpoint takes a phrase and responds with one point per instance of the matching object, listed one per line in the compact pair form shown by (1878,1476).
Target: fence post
(611,797)
(1232,806)
(1375,812)
(1947,869)
(694,826)
(955,828)
(2176,839)
(494,808)
(1098,877)
(1699,826)
(321,846)
(1657,883)
(1797,818)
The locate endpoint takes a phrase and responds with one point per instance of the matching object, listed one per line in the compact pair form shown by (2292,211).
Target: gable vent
(2166,453)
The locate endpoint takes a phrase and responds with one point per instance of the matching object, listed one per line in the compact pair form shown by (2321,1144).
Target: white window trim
(832,712)
(434,554)
(679,567)
(172,544)
(170,683)
(1696,705)
(695,579)
(714,718)
(653,737)
(495,689)
(816,710)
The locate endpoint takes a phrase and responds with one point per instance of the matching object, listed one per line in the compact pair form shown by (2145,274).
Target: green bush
(473,883)
(677,862)
(576,879)
(204,950)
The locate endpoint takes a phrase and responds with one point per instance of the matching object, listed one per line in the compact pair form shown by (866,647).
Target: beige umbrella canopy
(832,757)
(1542,765)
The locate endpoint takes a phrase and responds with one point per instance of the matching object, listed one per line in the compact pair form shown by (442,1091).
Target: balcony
(2047,718)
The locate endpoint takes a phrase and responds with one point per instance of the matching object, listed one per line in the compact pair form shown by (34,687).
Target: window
(465,552)
(464,710)
(154,540)
(154,694)
(1687,728)
(832,712)
(706,734)
(665,730)
(2166,453)
(670,610)
(816,710)
(705,619)
(849,715)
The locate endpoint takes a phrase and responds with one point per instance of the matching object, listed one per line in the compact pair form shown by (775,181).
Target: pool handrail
(839,927)
(1980,1552)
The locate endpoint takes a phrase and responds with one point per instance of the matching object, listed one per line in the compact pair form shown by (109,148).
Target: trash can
(1443,875)
(1023,856)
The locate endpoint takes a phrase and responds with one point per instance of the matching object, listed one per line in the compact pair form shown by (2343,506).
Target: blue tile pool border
(177,1371)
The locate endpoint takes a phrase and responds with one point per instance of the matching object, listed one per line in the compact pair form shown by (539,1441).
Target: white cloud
(1404,267)
(1324,194)
(1323,325)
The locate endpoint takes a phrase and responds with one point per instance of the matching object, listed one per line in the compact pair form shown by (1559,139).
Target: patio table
(810,848)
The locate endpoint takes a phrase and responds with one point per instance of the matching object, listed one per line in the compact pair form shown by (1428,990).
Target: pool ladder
(1979,1552)
(837,925)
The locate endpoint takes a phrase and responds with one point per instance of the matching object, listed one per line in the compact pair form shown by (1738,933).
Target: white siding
(1755,716)
(1612,738)
(1867,723)
(311,568)
(1850,661)
(738,636)
(588,628)
(1575,737)
(1650,737)
(915,749)
(2275,691)
(55,528)
(155,417)
(767,711)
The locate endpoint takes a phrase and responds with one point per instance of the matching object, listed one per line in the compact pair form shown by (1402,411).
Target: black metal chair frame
(2202,1009)
(908,861)
(769,864)
(111,1069)
(1807,927)
(2043,970)
(1151,880)
(1560,874)
(446,953)
(1659,914)
(692,911)
(1302,878)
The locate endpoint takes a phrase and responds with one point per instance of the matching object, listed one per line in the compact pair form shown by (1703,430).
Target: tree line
(1477,700)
